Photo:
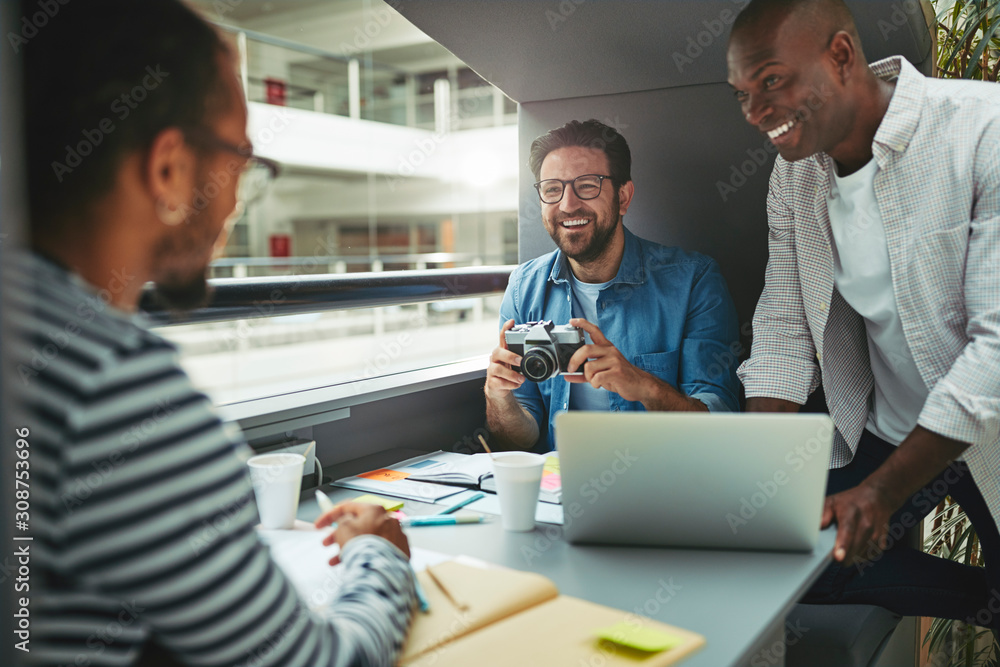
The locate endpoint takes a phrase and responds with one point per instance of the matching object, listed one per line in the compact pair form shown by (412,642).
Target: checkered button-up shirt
(938,192)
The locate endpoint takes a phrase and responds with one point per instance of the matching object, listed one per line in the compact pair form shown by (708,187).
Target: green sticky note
(389,505)
(641,638)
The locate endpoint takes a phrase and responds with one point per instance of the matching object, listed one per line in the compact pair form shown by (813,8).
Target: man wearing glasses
(142,511)
(659,321)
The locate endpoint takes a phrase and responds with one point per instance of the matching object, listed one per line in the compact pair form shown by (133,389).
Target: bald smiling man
(883,282)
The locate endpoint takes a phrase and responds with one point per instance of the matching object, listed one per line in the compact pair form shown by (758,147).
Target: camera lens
(538,364)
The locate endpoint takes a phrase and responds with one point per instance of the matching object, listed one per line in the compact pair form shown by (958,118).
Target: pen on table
(462,503)
(440,520)
(325,505)
(460,605)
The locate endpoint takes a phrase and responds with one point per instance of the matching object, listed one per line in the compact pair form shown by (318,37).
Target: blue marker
(439,520)
(462,503)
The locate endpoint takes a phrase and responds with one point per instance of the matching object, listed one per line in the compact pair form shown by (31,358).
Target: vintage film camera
(545,348)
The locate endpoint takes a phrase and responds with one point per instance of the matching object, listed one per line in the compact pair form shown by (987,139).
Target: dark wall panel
(445,418)
(700,175)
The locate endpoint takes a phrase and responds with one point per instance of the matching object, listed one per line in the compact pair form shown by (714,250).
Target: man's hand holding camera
(607,368)
(501,378)
(600,362)
(510,424)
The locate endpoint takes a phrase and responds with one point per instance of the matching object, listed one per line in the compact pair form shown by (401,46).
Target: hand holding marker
(325,505)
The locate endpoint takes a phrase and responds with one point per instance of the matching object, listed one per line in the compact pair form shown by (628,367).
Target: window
(395,157)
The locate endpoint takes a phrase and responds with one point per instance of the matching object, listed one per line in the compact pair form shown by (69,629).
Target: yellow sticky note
(389,505)
(641,638)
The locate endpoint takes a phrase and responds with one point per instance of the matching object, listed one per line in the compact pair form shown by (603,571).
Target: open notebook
(519,618)
(446,468)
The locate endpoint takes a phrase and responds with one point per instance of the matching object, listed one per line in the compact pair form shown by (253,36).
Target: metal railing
(250,298)
(239,267)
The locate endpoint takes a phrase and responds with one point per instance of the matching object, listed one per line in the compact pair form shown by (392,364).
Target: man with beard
(142,511)
(660,324)
(883,282)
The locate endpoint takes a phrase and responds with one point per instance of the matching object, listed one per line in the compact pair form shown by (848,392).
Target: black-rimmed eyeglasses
(588,186)
(255,176)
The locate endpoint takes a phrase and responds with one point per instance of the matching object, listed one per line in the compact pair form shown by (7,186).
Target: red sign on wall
(281,245)
(276,91)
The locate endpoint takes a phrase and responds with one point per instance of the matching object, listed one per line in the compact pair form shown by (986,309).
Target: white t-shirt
(863,277)
(582,396)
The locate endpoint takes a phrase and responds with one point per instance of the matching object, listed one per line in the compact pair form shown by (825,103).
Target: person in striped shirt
(142,511)
(883,282)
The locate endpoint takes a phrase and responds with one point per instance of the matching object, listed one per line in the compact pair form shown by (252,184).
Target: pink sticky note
(552,482)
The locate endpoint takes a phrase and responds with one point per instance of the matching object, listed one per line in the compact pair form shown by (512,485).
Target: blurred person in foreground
(142,510)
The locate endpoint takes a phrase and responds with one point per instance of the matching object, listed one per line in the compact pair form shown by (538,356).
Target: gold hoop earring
(169,215)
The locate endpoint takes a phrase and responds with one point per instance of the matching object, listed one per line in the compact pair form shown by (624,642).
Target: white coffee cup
(518,476)
(277,482)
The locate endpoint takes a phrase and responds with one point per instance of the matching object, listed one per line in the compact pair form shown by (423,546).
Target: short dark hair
(102,79)
(588,134)
(821,16)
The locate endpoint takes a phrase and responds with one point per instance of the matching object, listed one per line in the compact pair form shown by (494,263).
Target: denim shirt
(668,311)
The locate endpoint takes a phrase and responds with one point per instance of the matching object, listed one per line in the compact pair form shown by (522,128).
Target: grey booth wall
(656,70)
(685,143)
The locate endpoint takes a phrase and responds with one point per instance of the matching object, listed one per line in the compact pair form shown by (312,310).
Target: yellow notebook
(508,617)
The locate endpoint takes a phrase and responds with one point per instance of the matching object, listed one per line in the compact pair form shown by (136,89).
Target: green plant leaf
(991,30)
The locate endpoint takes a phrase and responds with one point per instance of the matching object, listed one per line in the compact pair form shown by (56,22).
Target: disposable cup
(518,477)
(277,482)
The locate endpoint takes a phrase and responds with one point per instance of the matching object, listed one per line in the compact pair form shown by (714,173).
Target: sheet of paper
(305,561)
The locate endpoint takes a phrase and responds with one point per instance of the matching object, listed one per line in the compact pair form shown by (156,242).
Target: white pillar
(442,106)
(241,47)
(411,101)
(354,87)
(498,100)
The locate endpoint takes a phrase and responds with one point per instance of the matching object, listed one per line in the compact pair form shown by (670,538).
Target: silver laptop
(732,481)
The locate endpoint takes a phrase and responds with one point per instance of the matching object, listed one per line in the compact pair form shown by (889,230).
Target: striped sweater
(142,511)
